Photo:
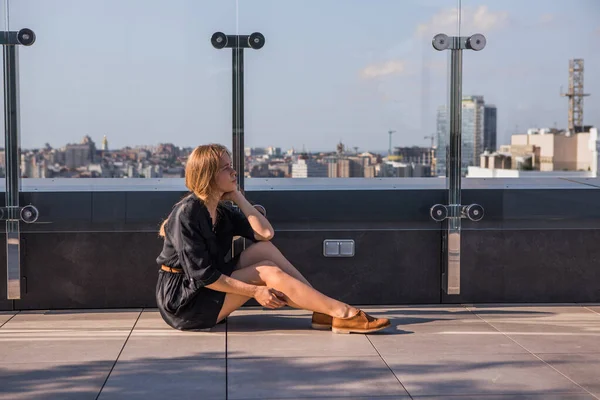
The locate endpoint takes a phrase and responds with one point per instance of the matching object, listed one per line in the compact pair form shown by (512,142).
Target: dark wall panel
(5,305)
(517,266)
(89,270)
(98,249)
(394,267)
(351,209)
(98,270)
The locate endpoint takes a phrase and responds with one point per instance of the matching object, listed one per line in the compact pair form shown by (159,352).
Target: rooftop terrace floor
(469,352)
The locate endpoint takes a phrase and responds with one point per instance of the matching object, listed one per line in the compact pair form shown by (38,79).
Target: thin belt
(172,270)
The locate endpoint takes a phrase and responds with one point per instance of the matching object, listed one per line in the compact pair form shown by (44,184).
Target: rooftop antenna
(432,139)
(575,94)
(390,132)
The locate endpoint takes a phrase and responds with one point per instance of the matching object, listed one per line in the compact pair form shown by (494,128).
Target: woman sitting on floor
(200,284)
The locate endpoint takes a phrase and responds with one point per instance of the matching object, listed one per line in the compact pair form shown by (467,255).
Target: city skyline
(300,90)
(86,160)
(228,145)
(540,152)
(479,131)
(110,149)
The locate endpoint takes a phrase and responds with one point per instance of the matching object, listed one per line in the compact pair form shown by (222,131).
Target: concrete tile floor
(460,352)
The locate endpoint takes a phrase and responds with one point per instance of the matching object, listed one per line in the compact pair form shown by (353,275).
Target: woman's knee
(269,271)
(263,246)
(255,253)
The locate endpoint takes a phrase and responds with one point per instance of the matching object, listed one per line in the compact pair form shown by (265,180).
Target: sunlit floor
(470,352)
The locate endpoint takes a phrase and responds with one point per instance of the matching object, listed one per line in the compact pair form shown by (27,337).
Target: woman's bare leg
(254,254)
(265,250)
(296,292)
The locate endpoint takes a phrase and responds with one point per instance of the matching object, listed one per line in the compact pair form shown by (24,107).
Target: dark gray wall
(4,304)
(536,266)
(98,249)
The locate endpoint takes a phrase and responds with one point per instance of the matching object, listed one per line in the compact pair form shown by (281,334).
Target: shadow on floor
(258,378)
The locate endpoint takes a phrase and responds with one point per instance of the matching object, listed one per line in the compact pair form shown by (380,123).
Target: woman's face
(226,178)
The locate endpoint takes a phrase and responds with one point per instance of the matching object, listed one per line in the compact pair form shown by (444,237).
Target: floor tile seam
(383,396)
(472,307)
(179,360)
(374,357)
(69,330)
(8,320)
(59,363)
(541,395)
(289,334)
(391,355)
(389,368)
(568,353)
(460,354)
(589,309)
(119,355)
(540,359)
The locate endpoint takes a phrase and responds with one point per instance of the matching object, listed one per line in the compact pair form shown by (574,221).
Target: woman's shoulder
(194,205)
(189,207)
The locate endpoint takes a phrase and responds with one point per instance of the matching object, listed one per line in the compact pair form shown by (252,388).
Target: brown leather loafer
(359,323)
(321,321)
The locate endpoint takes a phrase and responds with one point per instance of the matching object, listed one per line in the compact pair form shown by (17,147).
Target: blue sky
(144,72)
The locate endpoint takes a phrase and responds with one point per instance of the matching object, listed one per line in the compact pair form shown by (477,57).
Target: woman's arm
(259,223)
(267,297)
(228,284)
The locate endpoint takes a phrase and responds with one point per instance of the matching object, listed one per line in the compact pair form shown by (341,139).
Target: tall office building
(472,130)
(478,132)
(489,128)
(443,136)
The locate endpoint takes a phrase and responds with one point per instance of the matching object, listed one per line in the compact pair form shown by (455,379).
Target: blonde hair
(201,170)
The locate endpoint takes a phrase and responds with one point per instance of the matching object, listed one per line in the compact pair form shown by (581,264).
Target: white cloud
(444,20)
(480,19)
(547,18)
(485,20)
(392,67)
(474,20)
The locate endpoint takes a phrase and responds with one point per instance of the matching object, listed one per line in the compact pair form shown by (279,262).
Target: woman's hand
(269,297)
(234,196)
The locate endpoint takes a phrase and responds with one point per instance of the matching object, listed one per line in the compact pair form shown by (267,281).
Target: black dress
(204,253)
